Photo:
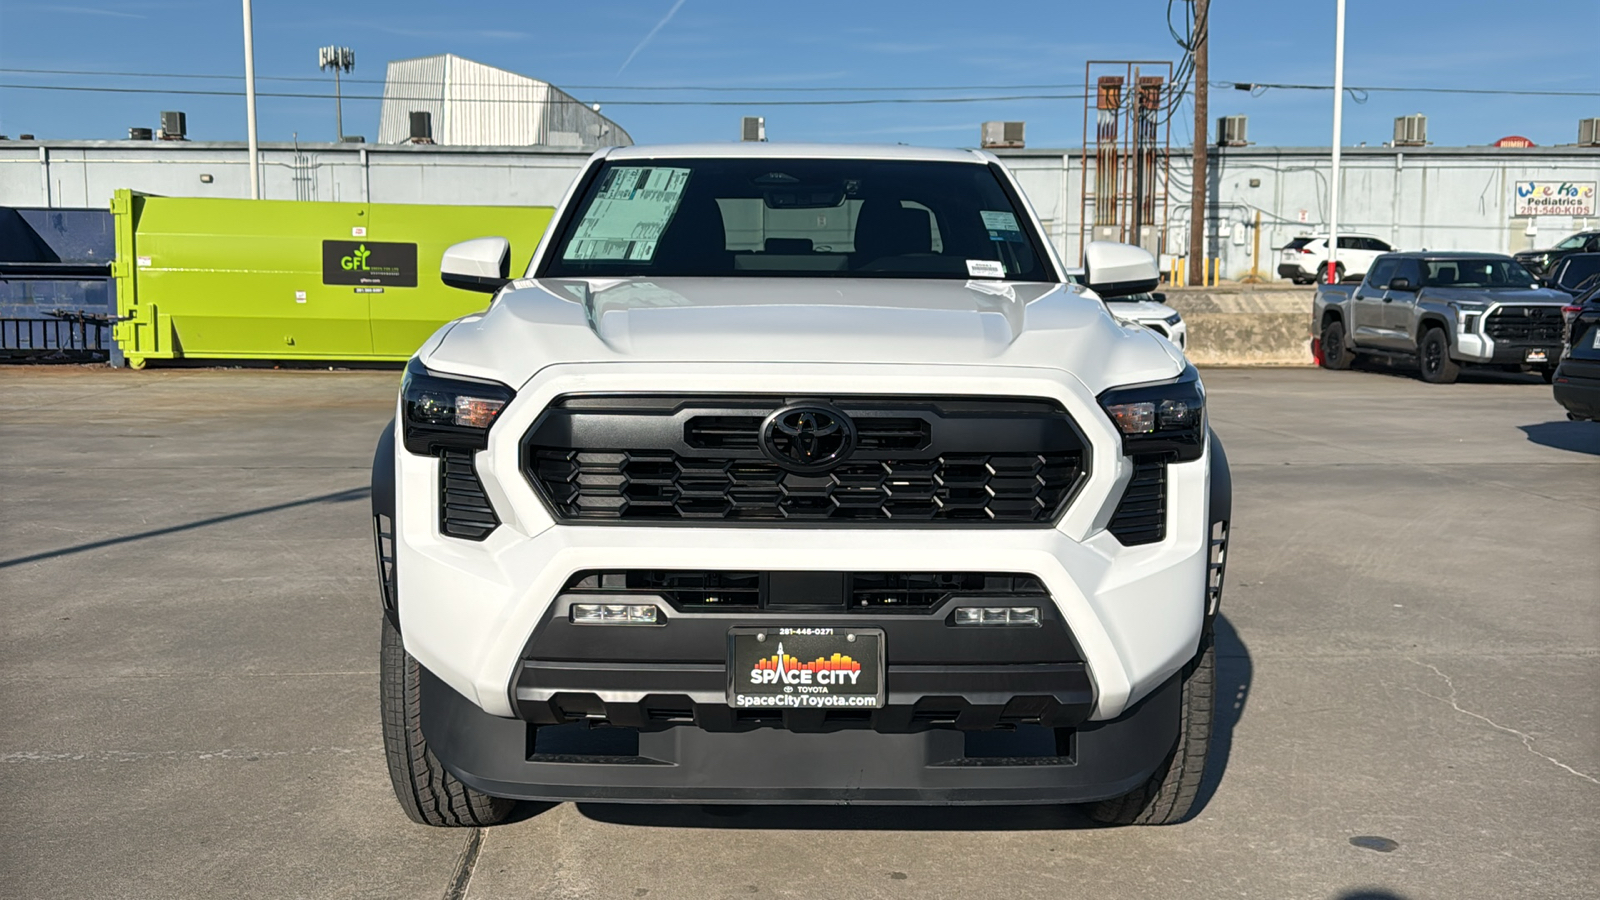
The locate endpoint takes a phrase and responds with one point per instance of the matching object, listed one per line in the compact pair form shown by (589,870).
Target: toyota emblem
(808,437)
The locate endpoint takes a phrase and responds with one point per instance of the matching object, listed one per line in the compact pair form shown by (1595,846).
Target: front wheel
(1433,357)
(428,793)
(1336,354)
(1169,796)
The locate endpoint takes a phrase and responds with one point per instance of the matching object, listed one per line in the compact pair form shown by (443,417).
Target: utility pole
(250,103)
(1197,196)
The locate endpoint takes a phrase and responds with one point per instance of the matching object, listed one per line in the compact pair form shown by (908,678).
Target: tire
(1169,796)
(1338,273)
(1433,358)
(429,794)
(1302,280)
(1336,354)
(1548,373)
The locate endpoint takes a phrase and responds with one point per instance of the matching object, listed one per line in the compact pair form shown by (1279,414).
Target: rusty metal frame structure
(1137,146)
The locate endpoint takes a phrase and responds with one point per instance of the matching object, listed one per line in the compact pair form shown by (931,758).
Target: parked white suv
(798,474)
(1304,260)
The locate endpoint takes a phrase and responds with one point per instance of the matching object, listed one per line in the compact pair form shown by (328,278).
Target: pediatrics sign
(1554,198)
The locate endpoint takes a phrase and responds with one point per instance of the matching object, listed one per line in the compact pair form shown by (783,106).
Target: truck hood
(541,322)
(1507,297)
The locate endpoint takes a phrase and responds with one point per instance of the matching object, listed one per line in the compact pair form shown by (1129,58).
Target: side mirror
(1159,297)
(1400,284)
(1117,270)
(481,264)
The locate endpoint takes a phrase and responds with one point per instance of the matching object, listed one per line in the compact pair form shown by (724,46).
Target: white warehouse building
(470,104)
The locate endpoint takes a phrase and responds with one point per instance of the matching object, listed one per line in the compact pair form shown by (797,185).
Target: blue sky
(1488,44)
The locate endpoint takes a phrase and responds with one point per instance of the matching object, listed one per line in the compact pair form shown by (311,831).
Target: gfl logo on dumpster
(357,261)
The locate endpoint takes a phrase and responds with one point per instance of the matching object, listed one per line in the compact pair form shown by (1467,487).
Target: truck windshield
(1488,272)
(811,218)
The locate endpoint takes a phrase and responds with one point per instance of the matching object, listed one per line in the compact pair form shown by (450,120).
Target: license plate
(790,667)
(1537,356)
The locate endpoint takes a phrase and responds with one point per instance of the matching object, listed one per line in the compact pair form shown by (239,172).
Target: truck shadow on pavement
(345,496)
(1576,437)
(1407,369)
(1234,675)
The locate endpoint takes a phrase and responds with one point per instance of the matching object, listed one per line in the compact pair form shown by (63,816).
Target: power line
(1256,86)
(578,87)
(435,99)
(1184,43)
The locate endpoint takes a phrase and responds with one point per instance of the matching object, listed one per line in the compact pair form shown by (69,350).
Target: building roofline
(1381,151)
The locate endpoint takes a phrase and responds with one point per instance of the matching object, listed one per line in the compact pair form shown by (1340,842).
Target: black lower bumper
(1577,387)
(685,763)
(1506,354)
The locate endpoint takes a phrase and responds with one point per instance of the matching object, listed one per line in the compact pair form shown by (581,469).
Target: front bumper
(468,609)
(512,758)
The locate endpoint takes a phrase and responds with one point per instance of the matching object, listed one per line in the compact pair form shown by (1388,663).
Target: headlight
(1469,306)
(1174,319)
(1166,418)
(448,412)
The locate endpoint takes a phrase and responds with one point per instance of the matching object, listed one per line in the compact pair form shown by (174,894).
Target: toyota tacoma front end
(798,475)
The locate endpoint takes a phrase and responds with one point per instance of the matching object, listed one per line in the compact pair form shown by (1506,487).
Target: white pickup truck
(798,474)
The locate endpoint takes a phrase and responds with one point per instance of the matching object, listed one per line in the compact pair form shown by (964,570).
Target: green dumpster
(205,278)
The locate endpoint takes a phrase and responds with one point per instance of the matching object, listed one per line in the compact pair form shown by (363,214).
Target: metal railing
(78,339)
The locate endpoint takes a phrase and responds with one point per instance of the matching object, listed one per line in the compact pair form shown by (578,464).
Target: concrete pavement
(1410,661)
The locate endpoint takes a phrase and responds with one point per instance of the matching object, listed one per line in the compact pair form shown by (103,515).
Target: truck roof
(1446,254)
(763,149)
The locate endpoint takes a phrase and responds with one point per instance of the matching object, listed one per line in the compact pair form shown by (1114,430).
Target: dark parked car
(1540,261)
(1577,380)
(1574,274)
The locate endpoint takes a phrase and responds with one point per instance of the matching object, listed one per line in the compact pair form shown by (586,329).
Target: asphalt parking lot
(1410,670)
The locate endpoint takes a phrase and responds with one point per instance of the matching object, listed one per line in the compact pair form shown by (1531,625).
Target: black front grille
(916,461)
(1141,516)
(1525,324)
(464,509)
(869,592)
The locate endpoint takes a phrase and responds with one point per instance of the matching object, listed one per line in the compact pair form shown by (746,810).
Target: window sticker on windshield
(985,268)
(628,215)
(1002,226)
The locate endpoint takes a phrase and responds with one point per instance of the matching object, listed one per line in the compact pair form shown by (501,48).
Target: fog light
(997,615)
(614,613)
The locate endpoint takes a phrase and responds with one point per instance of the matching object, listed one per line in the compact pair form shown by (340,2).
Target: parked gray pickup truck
(1445,310)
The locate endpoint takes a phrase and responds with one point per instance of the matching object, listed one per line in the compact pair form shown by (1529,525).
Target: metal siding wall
(408,85)
(1450,200)
(485,106)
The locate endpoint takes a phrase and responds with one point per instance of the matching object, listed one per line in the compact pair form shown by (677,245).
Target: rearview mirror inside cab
(1117,270)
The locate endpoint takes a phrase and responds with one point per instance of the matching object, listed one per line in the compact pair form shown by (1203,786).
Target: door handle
(1388,299)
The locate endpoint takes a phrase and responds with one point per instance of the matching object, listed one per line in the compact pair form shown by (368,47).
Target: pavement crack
(466,864)
(1527,739)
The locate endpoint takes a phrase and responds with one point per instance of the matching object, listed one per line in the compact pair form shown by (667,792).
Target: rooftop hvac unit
(141,134)
(174,125)
(997,135)
(1231,131)
(1411,131)
(1589,132)
(753,128)
(421,127)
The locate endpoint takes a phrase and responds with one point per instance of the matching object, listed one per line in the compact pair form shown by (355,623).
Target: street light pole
(1338,140)
(250,102)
